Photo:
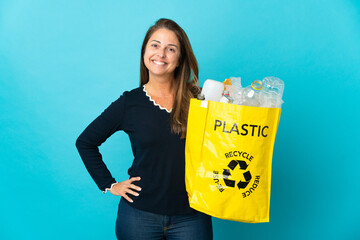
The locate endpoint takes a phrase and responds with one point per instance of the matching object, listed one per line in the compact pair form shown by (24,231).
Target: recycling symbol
(232,165)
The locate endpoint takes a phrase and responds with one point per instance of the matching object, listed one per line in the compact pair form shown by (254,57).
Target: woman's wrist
(110,188)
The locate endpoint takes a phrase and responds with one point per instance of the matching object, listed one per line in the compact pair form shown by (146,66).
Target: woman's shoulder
(133,92)
(132,95)
(137,90)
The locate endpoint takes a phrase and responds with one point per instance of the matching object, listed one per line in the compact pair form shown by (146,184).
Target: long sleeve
(109,121)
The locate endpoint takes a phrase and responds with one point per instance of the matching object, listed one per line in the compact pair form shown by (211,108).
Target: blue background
(63,62)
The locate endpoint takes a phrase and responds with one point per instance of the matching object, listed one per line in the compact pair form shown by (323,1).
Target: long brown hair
(185,75)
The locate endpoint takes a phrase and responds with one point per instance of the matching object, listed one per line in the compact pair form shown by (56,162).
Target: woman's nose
(161,52)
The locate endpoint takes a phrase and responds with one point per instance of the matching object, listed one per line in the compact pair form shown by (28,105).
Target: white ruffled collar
(152,100)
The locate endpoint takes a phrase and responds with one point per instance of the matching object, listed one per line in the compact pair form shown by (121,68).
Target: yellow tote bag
(228,159)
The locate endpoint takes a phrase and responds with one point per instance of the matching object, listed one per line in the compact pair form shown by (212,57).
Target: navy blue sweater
(159,155)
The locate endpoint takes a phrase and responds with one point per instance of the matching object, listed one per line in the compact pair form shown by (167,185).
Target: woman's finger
(132,192)
(133,186)
(127,198)
(134,179)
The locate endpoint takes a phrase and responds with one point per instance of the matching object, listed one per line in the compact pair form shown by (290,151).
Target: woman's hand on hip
(126,187)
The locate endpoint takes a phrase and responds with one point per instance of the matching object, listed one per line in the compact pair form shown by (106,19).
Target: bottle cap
(227,82)
(257,85)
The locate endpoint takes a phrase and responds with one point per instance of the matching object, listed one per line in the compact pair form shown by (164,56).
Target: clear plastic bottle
(226,98)
(252,94)
(273,89)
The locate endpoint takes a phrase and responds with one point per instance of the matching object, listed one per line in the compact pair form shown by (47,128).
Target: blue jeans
(135,224)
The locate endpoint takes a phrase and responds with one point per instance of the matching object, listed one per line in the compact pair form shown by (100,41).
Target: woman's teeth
(159,63)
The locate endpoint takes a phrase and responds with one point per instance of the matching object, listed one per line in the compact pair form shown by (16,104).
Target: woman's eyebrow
(156,41)
(170,44)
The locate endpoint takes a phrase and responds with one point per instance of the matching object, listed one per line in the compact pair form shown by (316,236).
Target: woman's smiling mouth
(158,63)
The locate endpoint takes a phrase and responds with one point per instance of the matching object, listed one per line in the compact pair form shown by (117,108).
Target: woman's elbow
(79,143)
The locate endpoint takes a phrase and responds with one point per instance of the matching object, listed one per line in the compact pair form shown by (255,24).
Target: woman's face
(162,54)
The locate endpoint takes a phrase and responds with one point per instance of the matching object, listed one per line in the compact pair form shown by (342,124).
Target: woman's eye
(171,49)
(154,45)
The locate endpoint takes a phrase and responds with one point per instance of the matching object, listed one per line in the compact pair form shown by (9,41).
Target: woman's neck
(160,88)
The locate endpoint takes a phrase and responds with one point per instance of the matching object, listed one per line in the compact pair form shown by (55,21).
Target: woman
(154,203)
